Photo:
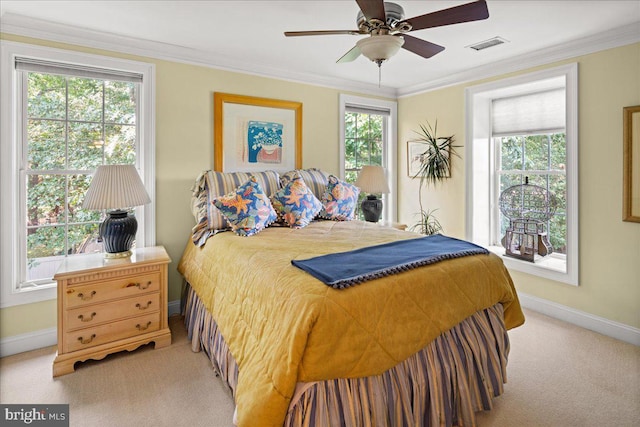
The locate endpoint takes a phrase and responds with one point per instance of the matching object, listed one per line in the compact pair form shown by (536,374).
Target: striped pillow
(212,184)
(315,179)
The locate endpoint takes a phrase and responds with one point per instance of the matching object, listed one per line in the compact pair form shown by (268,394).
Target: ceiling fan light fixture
(380,47)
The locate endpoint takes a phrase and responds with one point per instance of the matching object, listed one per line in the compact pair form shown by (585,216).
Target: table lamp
(116,187)
(372,180)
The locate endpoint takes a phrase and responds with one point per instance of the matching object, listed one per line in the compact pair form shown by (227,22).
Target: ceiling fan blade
(349,56)
(454,15)
(421,47)
(372,9)
(321,33)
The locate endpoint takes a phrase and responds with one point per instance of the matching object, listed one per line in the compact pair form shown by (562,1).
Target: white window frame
(480,161)
(12,232)
(389,156)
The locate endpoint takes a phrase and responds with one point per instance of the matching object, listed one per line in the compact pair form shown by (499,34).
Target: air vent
(488,43)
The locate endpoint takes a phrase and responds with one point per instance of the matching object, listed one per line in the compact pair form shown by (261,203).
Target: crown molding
(621,36)
(41,29)
(46,30)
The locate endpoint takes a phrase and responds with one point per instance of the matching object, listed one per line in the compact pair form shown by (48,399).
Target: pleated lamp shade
(115,187)
(372,180)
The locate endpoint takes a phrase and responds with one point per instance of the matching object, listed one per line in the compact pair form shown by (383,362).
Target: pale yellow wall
(447,108)
(184,147)
(609,248)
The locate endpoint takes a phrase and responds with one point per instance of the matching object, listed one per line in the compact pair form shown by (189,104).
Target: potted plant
(428,223)
(434,166)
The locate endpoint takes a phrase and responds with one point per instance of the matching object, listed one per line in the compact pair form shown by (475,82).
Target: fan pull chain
(379,62)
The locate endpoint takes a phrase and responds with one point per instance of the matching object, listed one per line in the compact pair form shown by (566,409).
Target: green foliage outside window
(541,158)
(73,126)
(364,145)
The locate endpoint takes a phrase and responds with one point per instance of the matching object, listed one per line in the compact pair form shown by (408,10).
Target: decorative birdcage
(528,208)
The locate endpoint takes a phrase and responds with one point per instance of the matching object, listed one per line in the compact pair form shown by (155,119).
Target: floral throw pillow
(339,200)
(315,179)
(247,209)
(212,184)
(296,204)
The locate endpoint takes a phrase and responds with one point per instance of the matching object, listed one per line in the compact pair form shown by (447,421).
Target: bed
(425,345)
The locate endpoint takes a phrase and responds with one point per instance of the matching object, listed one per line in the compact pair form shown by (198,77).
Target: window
(540,160)
(368,137)
(69,113)
(520,130)
(363,140)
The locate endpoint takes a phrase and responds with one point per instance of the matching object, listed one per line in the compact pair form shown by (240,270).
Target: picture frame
(252,134)
(631,164)
(414,150)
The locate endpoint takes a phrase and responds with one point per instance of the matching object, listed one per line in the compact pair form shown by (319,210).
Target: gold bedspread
(283,326)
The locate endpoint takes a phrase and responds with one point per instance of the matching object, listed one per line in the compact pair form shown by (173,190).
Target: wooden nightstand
(105,306)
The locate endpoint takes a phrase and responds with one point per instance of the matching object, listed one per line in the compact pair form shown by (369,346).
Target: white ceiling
(248,35)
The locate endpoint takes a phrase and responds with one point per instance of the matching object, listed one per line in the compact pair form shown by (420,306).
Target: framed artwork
(631,164)
(254,134)
(416,150)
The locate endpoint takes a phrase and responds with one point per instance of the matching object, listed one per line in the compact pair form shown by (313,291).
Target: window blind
(75,70)
(541,112)
(367,110)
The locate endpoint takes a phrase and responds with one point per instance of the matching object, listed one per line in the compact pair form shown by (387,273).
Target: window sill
(551,267)
(29,295)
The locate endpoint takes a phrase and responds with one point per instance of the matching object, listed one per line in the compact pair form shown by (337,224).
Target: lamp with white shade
(372,180)
(117,188)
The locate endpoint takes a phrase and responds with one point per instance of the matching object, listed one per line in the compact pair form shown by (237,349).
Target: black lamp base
(371,208)
(118,232)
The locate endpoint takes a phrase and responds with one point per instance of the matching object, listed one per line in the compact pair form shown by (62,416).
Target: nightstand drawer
(91,337)
(87,316)
(80,295)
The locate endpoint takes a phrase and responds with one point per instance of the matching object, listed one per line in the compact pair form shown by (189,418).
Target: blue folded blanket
(344,269)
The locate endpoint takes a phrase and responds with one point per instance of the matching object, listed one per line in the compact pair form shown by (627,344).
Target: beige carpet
(558,375)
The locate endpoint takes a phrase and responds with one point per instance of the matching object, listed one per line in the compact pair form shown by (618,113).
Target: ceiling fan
(387,29)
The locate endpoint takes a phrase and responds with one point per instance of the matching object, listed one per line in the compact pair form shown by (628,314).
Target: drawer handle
(143,328)
(86,297)
(140,307)
(139,285)
(82,319)
(83,341)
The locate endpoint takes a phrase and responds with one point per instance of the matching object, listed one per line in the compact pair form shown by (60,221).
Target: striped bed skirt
(444,384)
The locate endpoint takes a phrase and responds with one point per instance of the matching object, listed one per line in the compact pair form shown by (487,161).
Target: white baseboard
(29,341)
(174,307)
(585,320)
(48,337)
